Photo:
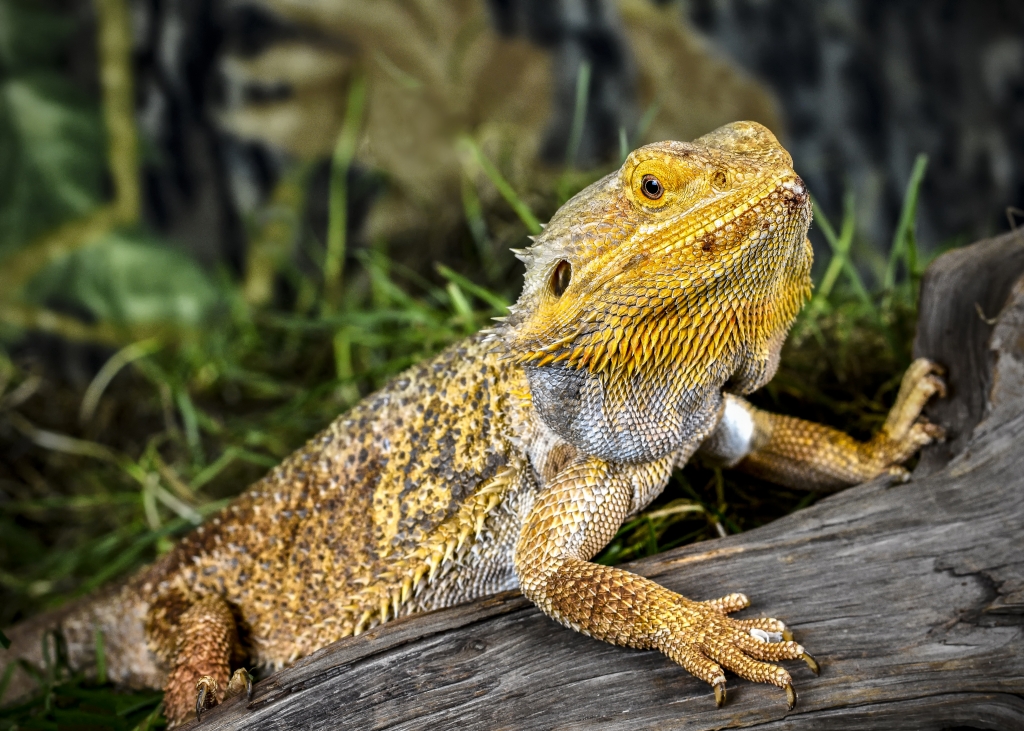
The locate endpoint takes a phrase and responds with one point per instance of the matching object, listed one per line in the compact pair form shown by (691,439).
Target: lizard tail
(74,634)
(27,640)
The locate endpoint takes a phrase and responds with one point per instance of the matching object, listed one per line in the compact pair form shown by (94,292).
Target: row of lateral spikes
(430,564)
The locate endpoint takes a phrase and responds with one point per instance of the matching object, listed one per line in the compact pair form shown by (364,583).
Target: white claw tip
(763,636)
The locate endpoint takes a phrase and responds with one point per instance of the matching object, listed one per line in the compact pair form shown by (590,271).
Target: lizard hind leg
(206,639)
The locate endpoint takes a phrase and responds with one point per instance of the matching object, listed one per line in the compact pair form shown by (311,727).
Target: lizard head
(658,286)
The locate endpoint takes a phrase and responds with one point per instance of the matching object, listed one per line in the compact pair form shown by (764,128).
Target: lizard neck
(666,392)
(624,420)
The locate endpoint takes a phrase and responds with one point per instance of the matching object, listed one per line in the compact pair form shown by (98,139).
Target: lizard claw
(240,680)
(811,662)
(720,693)
(206,695)
(790,696)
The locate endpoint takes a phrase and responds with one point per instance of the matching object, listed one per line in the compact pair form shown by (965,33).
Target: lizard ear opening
(560,277)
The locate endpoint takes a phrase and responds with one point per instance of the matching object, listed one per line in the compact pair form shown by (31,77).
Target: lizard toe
(241,682)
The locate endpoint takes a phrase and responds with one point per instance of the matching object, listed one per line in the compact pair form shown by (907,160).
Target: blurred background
(222,222)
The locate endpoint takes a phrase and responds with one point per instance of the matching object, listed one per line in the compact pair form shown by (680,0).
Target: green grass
(67,700)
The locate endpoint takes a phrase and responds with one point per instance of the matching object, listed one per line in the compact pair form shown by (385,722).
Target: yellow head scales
(709,260)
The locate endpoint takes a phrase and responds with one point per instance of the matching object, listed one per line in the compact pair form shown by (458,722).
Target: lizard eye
(561,277)
(651,187)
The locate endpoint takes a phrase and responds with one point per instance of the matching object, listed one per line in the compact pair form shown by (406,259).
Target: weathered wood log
(910,595)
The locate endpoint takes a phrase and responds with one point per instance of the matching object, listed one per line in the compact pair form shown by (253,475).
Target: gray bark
(911,596)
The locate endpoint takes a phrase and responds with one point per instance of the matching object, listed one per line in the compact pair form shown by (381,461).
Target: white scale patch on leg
(732,439)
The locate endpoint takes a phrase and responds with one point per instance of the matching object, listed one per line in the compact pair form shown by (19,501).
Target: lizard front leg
(574,517)
(802,454)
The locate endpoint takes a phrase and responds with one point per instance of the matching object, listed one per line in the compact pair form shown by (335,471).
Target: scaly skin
(512,458)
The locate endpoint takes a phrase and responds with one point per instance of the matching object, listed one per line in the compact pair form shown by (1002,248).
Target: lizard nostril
(561,277)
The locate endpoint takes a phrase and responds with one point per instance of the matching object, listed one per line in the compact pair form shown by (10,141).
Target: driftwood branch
(911,596)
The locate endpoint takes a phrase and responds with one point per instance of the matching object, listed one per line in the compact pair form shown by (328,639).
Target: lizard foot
(206,690)
(767,629)
(905,431)
(705,641)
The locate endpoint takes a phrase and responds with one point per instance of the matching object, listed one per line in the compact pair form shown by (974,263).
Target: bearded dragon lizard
(653,300)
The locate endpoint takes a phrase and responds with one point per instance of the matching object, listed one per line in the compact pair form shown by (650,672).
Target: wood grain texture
(961,295)
(911,596)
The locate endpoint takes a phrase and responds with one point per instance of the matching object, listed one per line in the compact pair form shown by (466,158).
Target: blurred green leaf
(52,155)
(129,279)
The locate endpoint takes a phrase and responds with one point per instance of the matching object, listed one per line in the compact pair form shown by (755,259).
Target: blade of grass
(852,275)
(904,246)
(114,50)
(154,491)
(474,213)
(494,300)
(226,458)
(275,231)
(126,706)
(341,161)
(343,369)
(510,196)
(106,374)
(60,442)
(678,508)
(190,419)
(461,306)
(579,114)
(840,248)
